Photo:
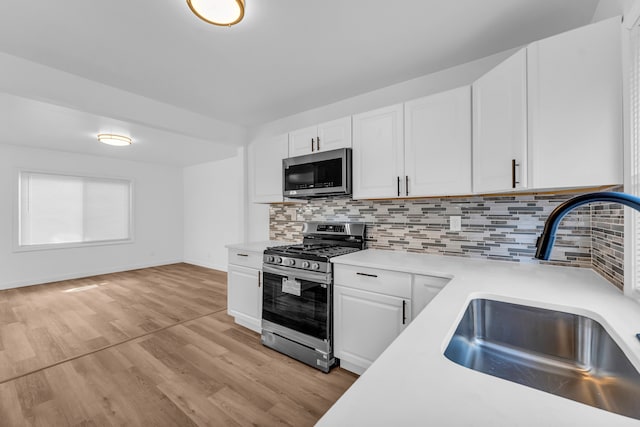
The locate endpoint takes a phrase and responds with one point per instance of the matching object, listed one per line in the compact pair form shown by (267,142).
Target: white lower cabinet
(371,307)
(244,289)
(365,324)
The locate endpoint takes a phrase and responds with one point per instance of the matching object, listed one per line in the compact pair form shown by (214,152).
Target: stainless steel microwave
(321,174)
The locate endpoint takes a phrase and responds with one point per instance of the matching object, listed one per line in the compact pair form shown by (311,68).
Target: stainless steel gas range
(297,301)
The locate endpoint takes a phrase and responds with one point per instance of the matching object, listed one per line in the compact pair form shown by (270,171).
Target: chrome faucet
(548,236)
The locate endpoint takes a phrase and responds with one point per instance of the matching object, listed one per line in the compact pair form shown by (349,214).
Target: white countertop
(256,246)
(413,384)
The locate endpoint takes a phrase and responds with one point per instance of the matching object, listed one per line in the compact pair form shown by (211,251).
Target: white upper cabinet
(265,169)
(421,148)
(324,137)
(378,153)
(334,134)
(302,141)
(437,144)
(575,107)
(500,127)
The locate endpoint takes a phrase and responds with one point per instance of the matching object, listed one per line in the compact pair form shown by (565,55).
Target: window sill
(75,245)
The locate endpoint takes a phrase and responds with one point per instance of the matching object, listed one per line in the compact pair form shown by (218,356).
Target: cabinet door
(575,107)
(437,144)
(334,134)
(378,153)
(500,127)
(302,141)
(365,323)
(244,296)
(265,169)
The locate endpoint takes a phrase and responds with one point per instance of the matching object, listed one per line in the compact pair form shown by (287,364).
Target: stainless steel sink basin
(564,354)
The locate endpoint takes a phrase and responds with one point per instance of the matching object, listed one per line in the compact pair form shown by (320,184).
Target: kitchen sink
(560,353)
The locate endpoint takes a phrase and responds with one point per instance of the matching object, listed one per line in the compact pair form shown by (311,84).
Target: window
(63,210)
(632,154)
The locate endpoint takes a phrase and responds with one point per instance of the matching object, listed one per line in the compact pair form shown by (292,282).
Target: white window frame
(631,104)
(17,247)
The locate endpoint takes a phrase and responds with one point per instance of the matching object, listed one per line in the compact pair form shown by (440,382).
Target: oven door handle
(294,273)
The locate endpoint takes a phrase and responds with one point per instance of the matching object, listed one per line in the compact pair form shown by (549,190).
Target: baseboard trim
(205,264)
(83,274)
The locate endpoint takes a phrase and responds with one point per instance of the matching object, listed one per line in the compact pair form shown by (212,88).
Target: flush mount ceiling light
(224,13)
(113,139)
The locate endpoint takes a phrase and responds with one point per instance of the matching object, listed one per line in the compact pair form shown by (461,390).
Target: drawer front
(386,282)
(245,258)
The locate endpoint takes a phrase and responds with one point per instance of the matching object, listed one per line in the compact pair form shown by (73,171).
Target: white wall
(258,214)
(258,222)
(610,8)
(158,219)
(214,199)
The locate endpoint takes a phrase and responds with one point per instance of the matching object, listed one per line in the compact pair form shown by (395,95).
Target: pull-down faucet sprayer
(548,236)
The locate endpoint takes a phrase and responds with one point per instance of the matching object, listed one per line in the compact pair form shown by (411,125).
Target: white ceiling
(37,124)
(287,56)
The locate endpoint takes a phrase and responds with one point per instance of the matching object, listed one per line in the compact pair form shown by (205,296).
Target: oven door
(297,300)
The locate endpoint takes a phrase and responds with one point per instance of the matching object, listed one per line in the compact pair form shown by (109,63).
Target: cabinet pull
(406,184)
(404,312)
(312,144)
(259,278)
(513,173)
(367,274)
(318,143)
(243,255)
(398,186)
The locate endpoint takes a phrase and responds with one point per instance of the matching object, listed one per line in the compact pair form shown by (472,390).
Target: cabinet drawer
(245,258)
(373,280)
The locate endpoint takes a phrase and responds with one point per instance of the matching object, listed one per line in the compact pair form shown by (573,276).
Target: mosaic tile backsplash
(500,227)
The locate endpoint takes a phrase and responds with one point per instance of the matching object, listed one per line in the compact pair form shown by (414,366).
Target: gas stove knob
(292,262)
(315,266)
(269,258)
(278,260)
(305,264)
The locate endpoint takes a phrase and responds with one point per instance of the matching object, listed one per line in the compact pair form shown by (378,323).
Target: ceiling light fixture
(224,13)
(113,139)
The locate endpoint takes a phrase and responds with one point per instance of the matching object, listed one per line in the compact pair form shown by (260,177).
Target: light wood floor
(150,347)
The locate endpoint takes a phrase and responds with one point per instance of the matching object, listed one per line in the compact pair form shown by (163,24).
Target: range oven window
(321,174)
(306,313)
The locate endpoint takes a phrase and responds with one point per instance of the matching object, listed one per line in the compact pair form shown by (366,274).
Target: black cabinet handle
(311,144)
(259,278)
(243,255)
(406,184)
(404,312)
(318,143)
(398,186)
(513,173)
(367,274)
